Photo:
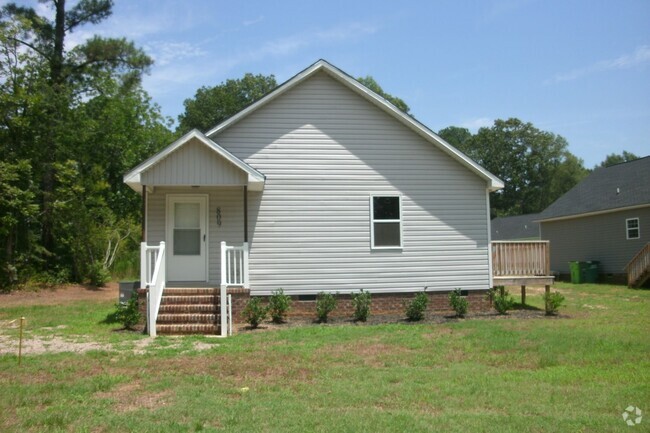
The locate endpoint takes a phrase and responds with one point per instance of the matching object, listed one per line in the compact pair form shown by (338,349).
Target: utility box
(127,289)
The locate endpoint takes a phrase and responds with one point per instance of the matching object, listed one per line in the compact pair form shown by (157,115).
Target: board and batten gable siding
(598,237)
(194,164)
(324,151)
(228,199)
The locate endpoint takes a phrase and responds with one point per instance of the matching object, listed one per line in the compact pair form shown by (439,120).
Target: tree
(73,121)
(535,165)
(212,105)
(370,83)
(458,137)
(66,77)
(614,158)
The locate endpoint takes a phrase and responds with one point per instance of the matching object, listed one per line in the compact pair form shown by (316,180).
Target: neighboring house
(605,218)
(519,227)
(331,187)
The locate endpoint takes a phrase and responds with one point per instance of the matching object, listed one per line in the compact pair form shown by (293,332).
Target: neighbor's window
(386,221)
(633,229)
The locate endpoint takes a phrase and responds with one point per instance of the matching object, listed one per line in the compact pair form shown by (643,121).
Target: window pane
(186,215)
(632,224)
(385,208)
(633,233)
(187,242)
(387,235)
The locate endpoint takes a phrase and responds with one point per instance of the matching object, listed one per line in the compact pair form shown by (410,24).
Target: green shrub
(128,313)
(98,275)
(458,303)
(279,304)
(501,299)
(361,303)
(325,304)
(416,308)
(255,312)
(553,301)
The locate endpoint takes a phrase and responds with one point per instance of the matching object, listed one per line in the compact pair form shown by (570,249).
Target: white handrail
(152,277)
(234,272)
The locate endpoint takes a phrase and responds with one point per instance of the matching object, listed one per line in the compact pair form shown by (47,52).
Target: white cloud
(475,124)
(257,20)
(626,61)
(164,53)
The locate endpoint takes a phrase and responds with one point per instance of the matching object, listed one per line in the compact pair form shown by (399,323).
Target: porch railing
(152,277)
(639,267)
(525,258)
(234,273)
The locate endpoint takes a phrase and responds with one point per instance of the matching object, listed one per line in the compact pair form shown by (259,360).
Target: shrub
(128,313)
(361,303)
(98,275)
(416,308)
(325,304)
(502,299)
(458,303)
(279,304)
(553,301)
(255,312)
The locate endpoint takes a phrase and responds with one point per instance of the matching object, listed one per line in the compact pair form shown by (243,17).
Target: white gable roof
(134,177)
(494,183)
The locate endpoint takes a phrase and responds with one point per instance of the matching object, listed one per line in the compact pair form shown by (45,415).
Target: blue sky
(580,69)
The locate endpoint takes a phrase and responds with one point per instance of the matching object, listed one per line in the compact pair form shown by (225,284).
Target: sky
(580,69)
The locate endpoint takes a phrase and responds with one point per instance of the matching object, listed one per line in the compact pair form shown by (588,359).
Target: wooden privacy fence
(525,258)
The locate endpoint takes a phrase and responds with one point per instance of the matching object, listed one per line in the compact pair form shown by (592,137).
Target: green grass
(574,373)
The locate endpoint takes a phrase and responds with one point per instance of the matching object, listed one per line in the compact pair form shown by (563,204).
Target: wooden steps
(189,311)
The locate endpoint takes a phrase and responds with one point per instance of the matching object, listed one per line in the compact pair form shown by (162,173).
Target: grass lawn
(575,373)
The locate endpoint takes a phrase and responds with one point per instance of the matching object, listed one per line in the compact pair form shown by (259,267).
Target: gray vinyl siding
(194,164)
(229,199)
(599,237)
(324,151)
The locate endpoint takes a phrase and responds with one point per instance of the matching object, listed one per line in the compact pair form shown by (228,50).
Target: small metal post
(20,341)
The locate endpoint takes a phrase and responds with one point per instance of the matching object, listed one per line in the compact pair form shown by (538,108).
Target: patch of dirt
(60,295)
(130,396)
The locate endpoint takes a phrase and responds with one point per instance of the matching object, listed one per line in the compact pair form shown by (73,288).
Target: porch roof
(194,159)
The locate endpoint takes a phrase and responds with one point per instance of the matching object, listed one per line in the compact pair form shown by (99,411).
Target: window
(386,221)
(633,229)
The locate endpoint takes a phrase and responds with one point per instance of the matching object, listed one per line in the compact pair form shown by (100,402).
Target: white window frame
(372,223)
(628,228)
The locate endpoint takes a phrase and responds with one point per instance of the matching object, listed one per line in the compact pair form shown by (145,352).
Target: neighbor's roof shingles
(619,186)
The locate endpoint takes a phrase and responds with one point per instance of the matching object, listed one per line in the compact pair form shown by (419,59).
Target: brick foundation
(383,304)
(142,308)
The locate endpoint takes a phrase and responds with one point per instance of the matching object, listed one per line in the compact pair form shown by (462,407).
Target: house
(320,186)
(605,218)
(518,227)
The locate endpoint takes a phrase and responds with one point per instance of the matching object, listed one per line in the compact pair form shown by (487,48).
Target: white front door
(187,238)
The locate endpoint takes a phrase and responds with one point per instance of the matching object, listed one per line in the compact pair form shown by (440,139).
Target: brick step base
(188,309)
(187,318)
(189,299)
(182,291)
(187,328)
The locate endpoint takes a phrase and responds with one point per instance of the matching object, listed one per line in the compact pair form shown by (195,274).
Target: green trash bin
(591,271)
(577,272)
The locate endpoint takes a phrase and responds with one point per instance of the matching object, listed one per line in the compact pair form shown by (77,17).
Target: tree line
(73,121)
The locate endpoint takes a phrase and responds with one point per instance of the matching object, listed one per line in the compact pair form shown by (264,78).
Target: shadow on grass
(519,306)
(111,319)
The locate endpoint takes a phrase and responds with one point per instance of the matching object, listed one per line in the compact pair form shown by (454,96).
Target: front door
(187,238)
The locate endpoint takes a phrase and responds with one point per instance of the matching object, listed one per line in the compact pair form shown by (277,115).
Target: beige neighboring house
(605,218)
